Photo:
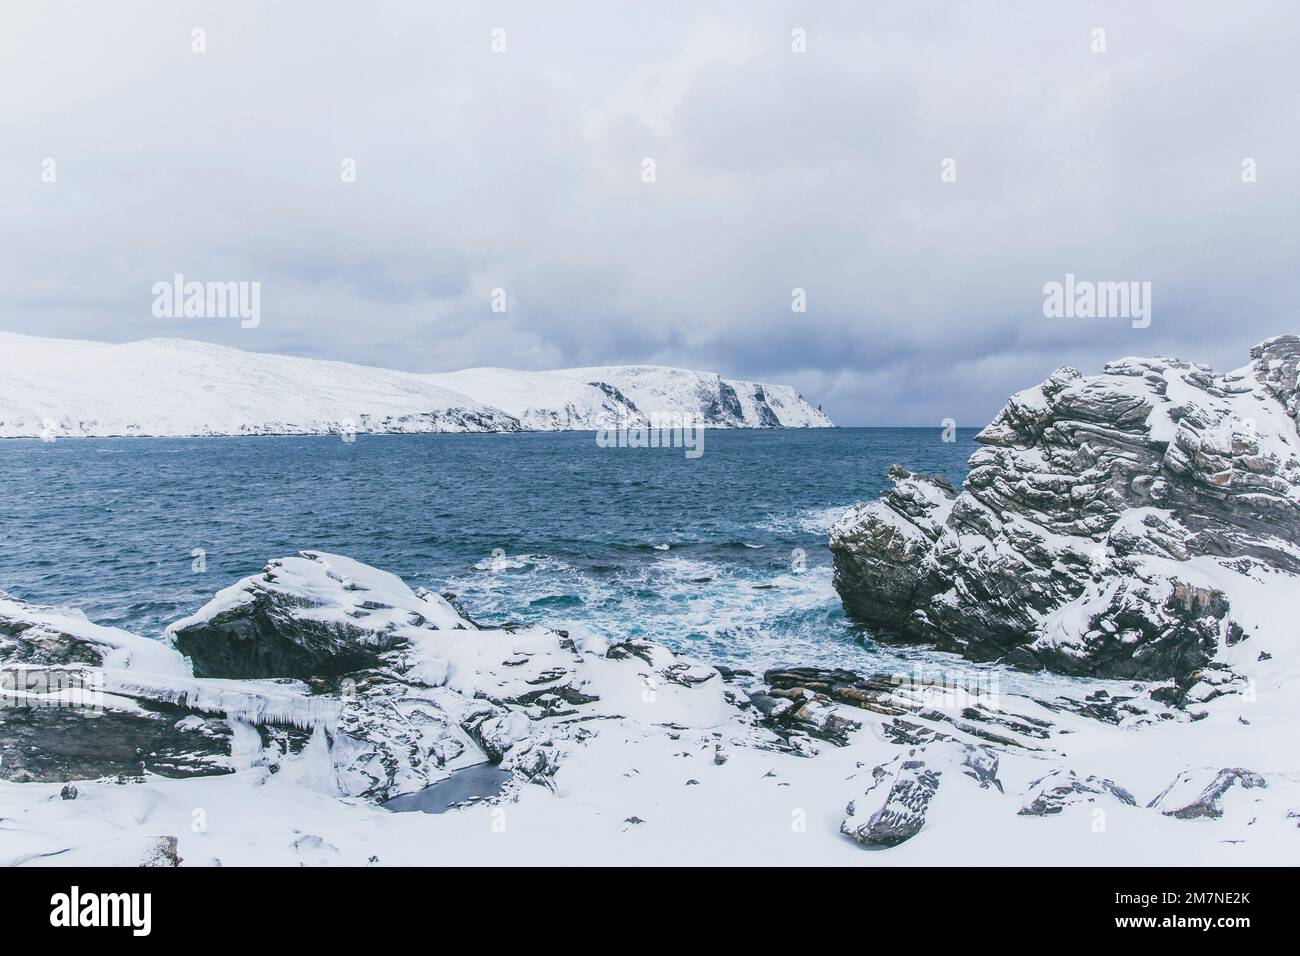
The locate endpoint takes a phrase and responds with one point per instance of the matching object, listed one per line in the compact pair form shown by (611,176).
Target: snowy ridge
(174,387)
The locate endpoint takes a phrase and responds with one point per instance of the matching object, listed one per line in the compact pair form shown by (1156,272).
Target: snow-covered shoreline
(280,715)
(174,388)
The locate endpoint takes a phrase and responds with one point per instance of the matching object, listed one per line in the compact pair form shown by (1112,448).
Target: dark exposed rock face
(53,744)
(766,417)
(728,404)
(268,635)
(56,723)
(1090,521)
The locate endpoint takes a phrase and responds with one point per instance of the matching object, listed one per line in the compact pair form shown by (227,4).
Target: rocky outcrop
(1107,526)
(388,690)
(60,719)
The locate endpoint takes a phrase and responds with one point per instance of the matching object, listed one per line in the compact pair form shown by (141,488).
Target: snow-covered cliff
(1144,522)
(171,387)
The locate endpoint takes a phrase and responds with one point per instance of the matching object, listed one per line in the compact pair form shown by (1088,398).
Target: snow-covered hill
(160,387)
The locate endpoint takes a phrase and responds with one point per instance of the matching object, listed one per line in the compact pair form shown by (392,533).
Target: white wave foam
(807,521)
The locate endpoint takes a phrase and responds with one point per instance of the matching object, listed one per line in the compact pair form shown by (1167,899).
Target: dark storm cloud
(775,170)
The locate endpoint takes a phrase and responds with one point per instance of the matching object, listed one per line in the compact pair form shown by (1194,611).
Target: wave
(714,608)
(816,521)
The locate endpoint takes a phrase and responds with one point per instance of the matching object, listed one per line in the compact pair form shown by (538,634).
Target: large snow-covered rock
(309,616)
(169,387)
(1144,522)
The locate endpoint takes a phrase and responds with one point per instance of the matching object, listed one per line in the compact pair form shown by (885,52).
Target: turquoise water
(723,556)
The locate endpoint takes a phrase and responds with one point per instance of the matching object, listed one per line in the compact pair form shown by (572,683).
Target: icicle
(255,707)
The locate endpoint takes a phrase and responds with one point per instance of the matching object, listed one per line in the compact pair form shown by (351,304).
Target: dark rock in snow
(1195,794)
(1061,788)
(267,634)
(52,744)
(893,808)
(61,724)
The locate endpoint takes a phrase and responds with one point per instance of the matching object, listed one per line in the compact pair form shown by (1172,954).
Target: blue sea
(722,556)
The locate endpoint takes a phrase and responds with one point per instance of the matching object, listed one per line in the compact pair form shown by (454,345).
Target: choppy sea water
(722,556)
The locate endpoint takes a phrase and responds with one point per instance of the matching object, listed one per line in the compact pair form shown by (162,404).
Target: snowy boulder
(1199,793)
(893,808)
(309,616)
(409,707)
(1112,525)
(163,853)
(1063,787)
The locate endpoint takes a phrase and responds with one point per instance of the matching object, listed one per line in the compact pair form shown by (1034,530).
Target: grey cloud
(776,170)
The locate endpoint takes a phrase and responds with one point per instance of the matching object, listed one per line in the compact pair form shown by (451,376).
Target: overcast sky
(774,170)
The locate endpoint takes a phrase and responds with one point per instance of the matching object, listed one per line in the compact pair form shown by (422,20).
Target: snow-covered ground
(175,387)
(626,754)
